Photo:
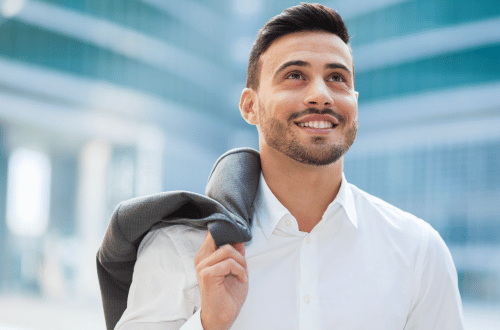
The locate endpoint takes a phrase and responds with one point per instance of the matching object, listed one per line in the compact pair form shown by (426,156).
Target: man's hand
(223,278)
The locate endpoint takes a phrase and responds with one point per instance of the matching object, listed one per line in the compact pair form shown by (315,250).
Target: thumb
(240,247)
(207,248)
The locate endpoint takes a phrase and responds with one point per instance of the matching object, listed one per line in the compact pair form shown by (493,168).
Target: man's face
(306,103)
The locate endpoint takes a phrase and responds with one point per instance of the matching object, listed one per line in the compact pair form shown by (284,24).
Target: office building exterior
(101,101)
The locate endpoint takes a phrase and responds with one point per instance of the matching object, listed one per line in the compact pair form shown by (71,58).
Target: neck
(305,190)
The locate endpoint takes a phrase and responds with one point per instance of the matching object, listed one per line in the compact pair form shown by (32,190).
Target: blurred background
(101,101)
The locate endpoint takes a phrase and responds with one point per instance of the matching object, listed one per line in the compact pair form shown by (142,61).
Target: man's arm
(164,292)
(437,305)
(223,278)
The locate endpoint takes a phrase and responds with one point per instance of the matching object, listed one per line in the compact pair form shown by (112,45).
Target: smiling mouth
(317,124)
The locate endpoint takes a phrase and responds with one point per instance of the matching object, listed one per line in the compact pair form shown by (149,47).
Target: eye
(294,75)
(337,78)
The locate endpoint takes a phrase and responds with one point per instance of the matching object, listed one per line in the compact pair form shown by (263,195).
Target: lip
(316,117)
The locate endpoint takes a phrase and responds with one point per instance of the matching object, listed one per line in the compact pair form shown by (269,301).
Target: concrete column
(92,213)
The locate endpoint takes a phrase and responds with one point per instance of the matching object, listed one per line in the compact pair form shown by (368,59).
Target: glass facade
(460,68)
(37,46)
(408,17)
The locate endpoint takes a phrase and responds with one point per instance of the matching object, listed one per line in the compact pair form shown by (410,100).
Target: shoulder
(404,232)
(402,229)
(377,211)
(386,225)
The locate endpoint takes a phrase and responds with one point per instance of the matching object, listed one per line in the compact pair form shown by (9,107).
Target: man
(324,254)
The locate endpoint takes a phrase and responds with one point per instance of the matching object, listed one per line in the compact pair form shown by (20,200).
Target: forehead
(310,46)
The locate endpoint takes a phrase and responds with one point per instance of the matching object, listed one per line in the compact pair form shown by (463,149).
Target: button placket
(309,267)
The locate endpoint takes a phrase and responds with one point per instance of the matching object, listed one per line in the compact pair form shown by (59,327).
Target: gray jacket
(226,211)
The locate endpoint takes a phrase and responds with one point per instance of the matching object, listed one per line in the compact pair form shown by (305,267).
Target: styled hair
(303,17)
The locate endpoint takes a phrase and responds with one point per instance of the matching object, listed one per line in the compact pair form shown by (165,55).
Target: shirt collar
(346,199)
(270,209)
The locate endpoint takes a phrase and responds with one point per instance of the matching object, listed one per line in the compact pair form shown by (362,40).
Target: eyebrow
(338,66)
(306,64)
(291,63)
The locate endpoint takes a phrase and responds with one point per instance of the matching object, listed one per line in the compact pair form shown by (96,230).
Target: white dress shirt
(365,265)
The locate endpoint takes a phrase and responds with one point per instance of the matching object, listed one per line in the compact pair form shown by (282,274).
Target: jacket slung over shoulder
(226,210)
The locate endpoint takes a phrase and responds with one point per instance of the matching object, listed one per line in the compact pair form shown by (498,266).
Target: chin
(315,156)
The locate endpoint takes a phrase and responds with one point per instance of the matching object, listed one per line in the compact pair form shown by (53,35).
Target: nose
(318,94)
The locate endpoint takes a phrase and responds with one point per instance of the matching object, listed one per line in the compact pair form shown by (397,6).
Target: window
(28,192)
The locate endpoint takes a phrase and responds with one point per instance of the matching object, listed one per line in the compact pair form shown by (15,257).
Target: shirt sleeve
(437,305)
(164,293)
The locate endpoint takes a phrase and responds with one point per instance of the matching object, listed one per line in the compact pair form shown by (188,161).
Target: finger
(225,252)
(207,248)
(209,242)
(221,270)
(240,247)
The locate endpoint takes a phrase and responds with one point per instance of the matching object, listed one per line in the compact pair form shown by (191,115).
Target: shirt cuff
(194,322)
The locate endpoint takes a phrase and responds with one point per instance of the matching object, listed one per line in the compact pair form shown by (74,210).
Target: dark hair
(303,17)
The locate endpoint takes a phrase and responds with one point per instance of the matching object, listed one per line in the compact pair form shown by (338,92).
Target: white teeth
(316,124)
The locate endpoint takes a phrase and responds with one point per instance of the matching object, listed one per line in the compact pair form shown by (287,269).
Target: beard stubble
(317,151)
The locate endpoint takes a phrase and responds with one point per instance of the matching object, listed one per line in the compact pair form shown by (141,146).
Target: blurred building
(101,101)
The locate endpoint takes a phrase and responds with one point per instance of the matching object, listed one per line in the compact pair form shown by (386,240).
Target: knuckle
(204,273)
(226,248)
(234,263)
(199,269)
(235,266)
(231,251)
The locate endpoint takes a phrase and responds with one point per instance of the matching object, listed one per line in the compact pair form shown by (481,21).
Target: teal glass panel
(5,261)
(467,67)
(36,46)
(63,194)
(492,166)
(416,16)
(141,17)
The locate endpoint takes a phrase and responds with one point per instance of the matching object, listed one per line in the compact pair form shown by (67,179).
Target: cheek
(282,96)
(284,103)
(349,106)
(274,94)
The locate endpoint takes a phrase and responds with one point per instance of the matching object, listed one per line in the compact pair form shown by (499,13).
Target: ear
(248,106)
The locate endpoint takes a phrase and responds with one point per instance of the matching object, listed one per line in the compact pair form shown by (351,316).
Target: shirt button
(288,223)
(308,239)
(307,299)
